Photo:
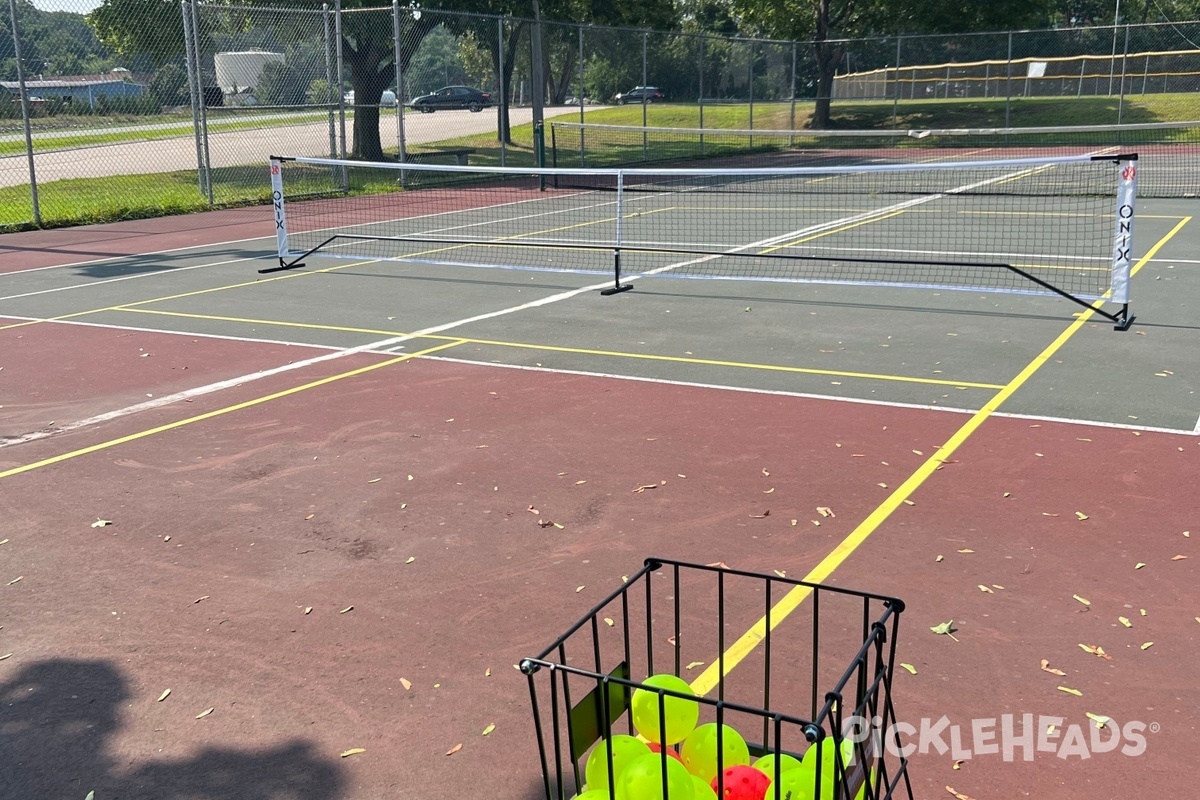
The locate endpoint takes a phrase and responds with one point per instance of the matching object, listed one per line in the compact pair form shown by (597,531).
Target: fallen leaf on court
(1096,651)
(100,523)
(918,452)
(1008,494)
(986,589)
(1178,558)
(6,655)
(347,608)
(1125,621)
(956,765)
(608,621)
(533,510)
(555,524)
(1047,668)
(580,483)
(769,491)
(720,564)
(1147,645)
(403,506)
(671,641)
(205,713)
(5,541)
(1082,516)
(781,573)
(997,586)
(1069,690)
(579,589)
(939,559)
(816,522)
(959,795)
(353,751)
(166,693)
(1099,719)
(680,475)
(644,487)
(966,550)
(1050,729)
(1048,514)
(1139,565)
(545,523)
(694,664)
(491,727)
(410,477)
(794,522)
(90,795)
(17,579)
(375,480)
(825,511)
(1142,611)
(406,683)
(910,668)
(945,629)
(765,473)
(1085,601)
(200,599)
(410,560)
(909,503)
(763,515)
(1186,535)
(881,485)
(307,610)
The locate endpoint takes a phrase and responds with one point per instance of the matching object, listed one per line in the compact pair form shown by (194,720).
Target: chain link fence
(104,117)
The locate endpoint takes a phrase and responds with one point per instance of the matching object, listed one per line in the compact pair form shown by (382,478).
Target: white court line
(123,278)
(815,396)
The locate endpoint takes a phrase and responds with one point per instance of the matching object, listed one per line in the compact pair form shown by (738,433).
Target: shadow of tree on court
(56,721)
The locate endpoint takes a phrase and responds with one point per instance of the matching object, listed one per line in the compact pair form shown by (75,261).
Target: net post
(1122,265)
(281,237)
(617,286)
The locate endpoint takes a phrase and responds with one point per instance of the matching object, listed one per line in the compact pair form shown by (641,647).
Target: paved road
(251,146)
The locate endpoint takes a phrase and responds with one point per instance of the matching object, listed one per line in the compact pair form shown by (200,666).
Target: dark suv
(640,94)
(452,97)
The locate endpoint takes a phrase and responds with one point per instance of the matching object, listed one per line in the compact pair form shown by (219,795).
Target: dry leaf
(956,765)
(200,599)
(1069,690)
(580,483)
(410,477)
(825,511)
(545,523)
(1147,645)
(763,515)
(1048,514)
(795,522)
(966,551)
(1139,565)
(579,589)
(17,579)
(608,621)
(353,751)
(1125,621)
(694,664)
(720,564)
(307,610)
(1082,600)
(100,523)
(406,683)
(815,522)
(1047,668)
(347,608)
(671,641)
(1008,494)
(881,485)
(375,480)
(918,452)
(555,524)
(765,473)
(5,656)
(533,510)
(959,795)
(1099,719)
(310,516)
(1050,729)
(166,693)
(1080,515)
(910,668)
(939,559)
(491,727)
(487,673)
(1178,558)
(644,487)
(781,573)
(997,586)
(204,714)
(1142,611)
(769,491)
(909,503)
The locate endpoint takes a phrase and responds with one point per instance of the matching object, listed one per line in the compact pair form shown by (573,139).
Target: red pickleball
(655,747)
(744,783)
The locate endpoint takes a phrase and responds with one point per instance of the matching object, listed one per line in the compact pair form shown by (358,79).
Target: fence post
(33,191)
(1008,85)
(329,92)
(896,87)
(750,83)
(538,80)
(208,182)
(792,110)
(341,81)
(1124,64)
(195,90)
(400,152)
(582,92)
(502,108)
(645,100)
(701,84)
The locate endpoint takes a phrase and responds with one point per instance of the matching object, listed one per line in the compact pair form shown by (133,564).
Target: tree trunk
(369,77)
(828,56)
(503,126)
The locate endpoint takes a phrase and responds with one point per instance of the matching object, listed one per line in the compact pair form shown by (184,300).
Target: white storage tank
(239,72)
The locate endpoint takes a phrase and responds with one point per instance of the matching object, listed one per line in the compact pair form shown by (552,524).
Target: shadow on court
(56,729)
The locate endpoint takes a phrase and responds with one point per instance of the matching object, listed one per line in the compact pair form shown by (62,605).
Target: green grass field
(92,200)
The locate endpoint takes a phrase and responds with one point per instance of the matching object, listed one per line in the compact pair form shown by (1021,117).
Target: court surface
(330,508)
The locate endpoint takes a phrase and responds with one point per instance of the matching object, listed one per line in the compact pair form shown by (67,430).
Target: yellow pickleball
(643,780)
(700,755)
(624,749)
(678,717)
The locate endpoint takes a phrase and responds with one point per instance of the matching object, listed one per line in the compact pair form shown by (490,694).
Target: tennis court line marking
(707,681)
(219,412)
(547,348)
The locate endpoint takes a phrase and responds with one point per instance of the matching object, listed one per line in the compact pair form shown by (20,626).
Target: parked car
(640,94)
(388,100)
(452,97)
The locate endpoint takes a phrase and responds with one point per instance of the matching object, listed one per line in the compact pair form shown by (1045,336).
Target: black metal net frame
(580,689)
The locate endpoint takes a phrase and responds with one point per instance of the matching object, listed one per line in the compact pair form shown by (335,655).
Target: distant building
(83,89)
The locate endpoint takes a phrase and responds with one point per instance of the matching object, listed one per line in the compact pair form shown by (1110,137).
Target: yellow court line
(220,411)
(746,643)
(851,226)
(579,350)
